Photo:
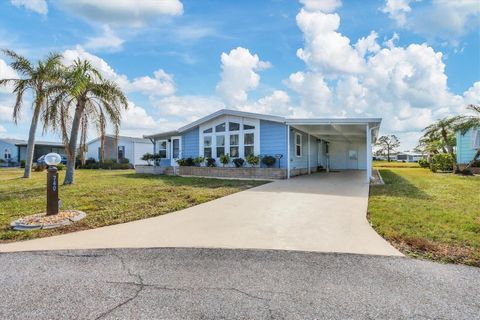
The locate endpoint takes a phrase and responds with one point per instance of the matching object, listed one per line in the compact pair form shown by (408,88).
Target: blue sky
(179,60)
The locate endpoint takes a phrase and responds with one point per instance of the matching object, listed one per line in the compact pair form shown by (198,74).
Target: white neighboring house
(119,148)
(409,156)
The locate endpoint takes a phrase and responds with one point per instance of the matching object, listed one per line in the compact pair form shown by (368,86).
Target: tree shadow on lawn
(200,182)
(397,186)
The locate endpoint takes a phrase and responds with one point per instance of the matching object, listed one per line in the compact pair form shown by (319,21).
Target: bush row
(225,160)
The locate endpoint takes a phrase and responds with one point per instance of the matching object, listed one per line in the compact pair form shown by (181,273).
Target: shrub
(60,166)
(441,162)
(198,160)
(211,162)
(2,161)
(188,162)
(40,167)
(225,159)
(22,163)
(269,161)
(124,161)
(148,157)
(238,162)
(423,163)
(90,161)
(253,160)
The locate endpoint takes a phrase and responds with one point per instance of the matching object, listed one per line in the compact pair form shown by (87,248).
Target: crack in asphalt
(140,286)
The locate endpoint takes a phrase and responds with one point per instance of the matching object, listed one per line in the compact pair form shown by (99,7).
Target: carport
(342,144)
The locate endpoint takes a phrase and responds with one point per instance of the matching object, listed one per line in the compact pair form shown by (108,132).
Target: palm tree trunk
(31,142)
(102,148)
(72,145)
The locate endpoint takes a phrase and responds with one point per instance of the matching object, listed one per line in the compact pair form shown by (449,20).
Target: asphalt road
(231,284)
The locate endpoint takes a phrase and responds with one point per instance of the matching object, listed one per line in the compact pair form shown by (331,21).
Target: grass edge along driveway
(107,196)
(434,216)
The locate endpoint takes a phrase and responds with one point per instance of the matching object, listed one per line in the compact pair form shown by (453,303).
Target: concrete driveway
(323,212)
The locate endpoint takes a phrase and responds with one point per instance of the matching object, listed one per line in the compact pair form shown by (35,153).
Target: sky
(407,61)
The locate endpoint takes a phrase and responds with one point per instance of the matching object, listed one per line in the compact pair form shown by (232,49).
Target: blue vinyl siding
(190,141)
(165,162)
(299,162)
(465,150)
(273,140)
(13,150)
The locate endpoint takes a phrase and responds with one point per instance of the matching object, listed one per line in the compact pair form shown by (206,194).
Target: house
(119,148)
(301,146)
(14,150)
(409,156)
(467,146)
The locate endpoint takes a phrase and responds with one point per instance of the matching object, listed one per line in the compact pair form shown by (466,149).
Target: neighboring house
(409,156)
(16,150)
(302,145)
(119,148)
(467,145)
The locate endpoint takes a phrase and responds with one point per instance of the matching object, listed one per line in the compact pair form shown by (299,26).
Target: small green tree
(252,160)
(147,157)
(224,159)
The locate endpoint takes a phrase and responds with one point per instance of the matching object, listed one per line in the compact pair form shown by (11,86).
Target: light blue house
(9,151)
(467,145)
(301,146)
(12,151)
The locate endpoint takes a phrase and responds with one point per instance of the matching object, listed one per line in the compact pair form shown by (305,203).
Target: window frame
(298,134)
(7,152)
(162,149)
(123,152)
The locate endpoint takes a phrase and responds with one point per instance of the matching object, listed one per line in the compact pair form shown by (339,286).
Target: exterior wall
(273,140)
(302,161)
(12,148)
(243,173)
(133,150)
(338,152)
(190,143)
(465,149)
(139,149)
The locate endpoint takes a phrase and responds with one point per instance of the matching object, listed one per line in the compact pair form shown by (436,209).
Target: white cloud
(6,72)
(187,108)
(277,103)
(122,12)
(397,10)
(315,95)
(108,40)
(38,6)
(239,75)
(326,50)
(437,19)
(160,84)
(326,6)
(367,44)
(2,129)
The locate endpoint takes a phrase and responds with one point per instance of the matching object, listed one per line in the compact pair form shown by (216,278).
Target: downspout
(308,160)
(288,151)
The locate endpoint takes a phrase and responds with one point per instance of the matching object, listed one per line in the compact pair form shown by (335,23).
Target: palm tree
(468,123)
(444,128)
(36,78)
(91,98)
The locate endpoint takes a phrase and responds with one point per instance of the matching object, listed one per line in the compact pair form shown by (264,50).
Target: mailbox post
(52,160)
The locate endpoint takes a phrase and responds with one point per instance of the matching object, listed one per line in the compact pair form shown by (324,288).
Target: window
(234,145)
(175,148)
(248,143)
(248,127)
(476,139)
(121,152)
(162,148)
(7,155)
(207,147)
(209,130)
(220,127)
(233,126)
(220,146)
(298,144)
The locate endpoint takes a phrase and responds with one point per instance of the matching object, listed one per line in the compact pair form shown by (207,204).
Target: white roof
(374,123)
(124,138)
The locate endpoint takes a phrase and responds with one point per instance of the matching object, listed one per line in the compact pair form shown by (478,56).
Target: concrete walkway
(321,212)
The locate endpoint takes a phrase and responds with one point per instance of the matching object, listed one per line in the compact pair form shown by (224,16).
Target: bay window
(220,146)
(234,144)
(248,143)
(207,146)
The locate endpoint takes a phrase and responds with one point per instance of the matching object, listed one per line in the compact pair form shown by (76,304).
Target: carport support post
(309,170)
(288,151)
(369,153)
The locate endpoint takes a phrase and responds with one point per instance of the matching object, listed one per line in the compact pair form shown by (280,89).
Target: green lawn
(428,215)
(107,196)
(395,164)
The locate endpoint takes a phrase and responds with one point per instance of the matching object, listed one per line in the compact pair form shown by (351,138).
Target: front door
(176,150)
(352,158)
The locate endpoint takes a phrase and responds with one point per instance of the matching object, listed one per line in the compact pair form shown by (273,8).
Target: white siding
(339,154)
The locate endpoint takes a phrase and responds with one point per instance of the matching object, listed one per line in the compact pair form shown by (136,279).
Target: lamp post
(52,159)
